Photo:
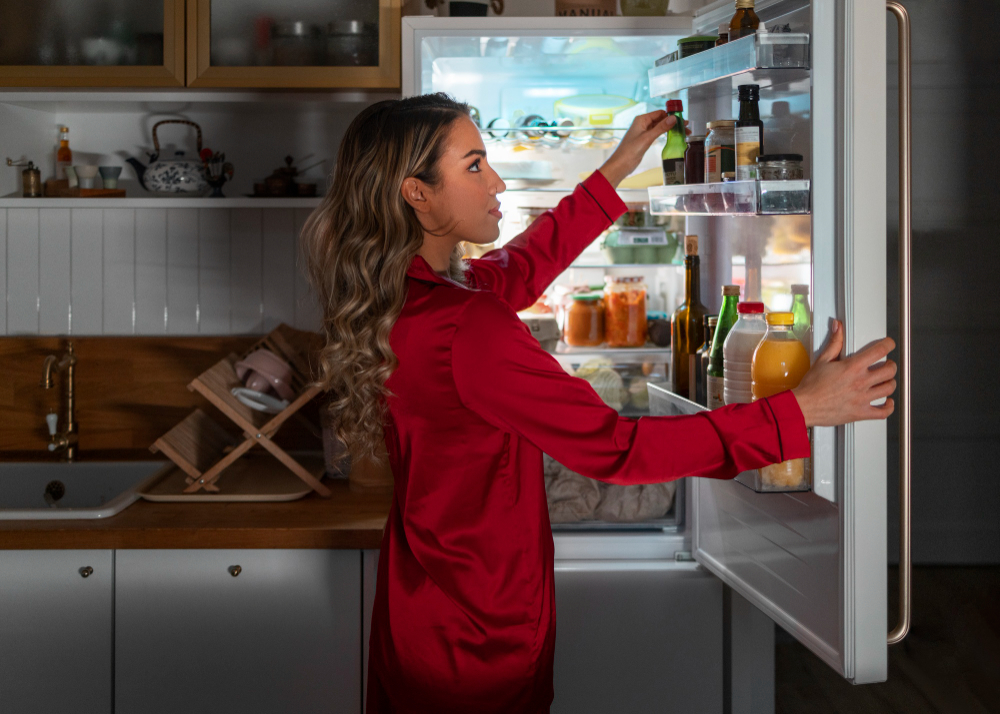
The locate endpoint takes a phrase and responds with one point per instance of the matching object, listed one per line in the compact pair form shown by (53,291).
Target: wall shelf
(771,57)
(732,198)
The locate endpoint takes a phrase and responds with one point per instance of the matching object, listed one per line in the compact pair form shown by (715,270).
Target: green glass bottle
(802,326)
(672,155)
(727,318)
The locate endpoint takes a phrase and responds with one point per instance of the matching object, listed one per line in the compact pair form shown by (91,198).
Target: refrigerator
(552,96)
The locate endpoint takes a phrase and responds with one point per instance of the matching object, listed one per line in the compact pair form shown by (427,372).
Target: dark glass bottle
(701,361)
(672,155)
(714,374)
(749,133)
(745,21)
(687,326)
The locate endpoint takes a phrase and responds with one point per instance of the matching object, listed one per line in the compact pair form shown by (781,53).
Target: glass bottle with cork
(672,155)
(745,21)
(64,156)
(714,375)
(749,133)
(687,327)
(699,365)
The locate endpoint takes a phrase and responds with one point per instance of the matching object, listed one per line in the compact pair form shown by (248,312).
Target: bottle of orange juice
(779,363)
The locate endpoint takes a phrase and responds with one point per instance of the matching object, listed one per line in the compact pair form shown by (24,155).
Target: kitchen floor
(950,661)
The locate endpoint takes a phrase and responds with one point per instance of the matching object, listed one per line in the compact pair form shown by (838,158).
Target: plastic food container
(585,320)
(688,46)
(625,312)
(780,167)
(617,254)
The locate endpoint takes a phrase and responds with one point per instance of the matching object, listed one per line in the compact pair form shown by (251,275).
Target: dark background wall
(956,252)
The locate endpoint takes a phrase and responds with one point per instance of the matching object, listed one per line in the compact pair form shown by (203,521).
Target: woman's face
(464,203)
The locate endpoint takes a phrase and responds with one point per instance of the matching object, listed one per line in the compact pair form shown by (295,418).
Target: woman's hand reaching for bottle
(838,391)
(636,142)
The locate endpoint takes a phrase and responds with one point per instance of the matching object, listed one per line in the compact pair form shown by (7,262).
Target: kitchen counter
(350,519)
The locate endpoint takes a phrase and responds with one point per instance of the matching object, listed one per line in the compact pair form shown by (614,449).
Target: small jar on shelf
(584,320)
(625,311)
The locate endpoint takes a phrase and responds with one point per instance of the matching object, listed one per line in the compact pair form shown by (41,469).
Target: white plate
(259,401)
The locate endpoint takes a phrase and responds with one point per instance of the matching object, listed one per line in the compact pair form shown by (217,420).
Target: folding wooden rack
(202,448)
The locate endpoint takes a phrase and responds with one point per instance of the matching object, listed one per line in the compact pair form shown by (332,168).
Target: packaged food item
(737,353)
(586,8)
(749,133)
(658,328)
(544,328)
(720,149)
(614,251)
(714,374)
(694,159)
(700,366)
(745,21)
(687,327)
(687,46)
(585,320)
(780,167)
(625,312)
(672,156)
(647,8)
(779,363)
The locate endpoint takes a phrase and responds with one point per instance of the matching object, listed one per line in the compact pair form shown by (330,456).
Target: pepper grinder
(31,178)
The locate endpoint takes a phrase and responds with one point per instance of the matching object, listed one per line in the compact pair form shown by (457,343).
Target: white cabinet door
(55,631)
(283,634)
(816,562)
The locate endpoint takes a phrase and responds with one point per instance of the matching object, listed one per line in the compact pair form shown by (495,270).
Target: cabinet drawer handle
(86,572)
(235,570)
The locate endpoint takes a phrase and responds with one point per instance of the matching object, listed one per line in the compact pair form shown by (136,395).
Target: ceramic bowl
(109,174)
(258,400)
(85,175)
(264,365)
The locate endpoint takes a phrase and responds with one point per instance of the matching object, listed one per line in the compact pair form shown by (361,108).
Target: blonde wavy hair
(357,247)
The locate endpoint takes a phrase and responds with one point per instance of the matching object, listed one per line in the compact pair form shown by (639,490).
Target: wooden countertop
(350,519)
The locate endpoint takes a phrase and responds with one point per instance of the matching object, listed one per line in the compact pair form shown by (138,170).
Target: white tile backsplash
(22,271)
(54,244)
(152,271)
(87,271)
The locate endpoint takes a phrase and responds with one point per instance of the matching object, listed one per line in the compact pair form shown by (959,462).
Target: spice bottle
(749,133)
(745,21)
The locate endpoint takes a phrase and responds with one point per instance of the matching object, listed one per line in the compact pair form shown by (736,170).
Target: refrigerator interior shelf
(567,355)
(609,266)
(780,51)
(732,198)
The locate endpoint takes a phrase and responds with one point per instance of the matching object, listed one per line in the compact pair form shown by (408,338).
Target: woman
(428,351)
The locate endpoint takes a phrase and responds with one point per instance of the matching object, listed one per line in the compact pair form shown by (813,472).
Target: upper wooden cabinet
(293,43)
(92,43)
(351,44)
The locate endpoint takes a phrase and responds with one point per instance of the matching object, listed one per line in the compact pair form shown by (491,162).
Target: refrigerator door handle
(905,247)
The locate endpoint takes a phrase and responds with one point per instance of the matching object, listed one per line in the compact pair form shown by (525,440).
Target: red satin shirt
(464,614)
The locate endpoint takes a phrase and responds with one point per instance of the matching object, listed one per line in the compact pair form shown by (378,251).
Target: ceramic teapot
(177,176)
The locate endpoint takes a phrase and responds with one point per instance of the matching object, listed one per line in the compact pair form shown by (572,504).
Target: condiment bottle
(672,155)
(687,328)
(802,325)
(749,133)
(723,34)
(745,21)
(694,160)
(64,156)
(738,352)
(714,374)
(700,362)
(779,363)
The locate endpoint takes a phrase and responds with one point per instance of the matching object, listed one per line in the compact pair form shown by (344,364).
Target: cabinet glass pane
(294,33)
(107,33)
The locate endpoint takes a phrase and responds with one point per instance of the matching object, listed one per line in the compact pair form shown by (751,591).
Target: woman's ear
(415,193)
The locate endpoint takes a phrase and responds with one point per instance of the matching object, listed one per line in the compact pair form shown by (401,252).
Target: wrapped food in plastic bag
(628,504)
(571,497)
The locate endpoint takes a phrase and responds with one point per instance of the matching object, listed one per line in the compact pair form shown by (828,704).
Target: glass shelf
(733,198)
(631,266)
(567,355)
(782,51)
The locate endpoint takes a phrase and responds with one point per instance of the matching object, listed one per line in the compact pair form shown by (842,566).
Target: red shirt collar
(420,269)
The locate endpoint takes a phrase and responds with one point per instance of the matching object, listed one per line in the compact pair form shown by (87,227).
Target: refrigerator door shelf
(777,53)
(732,198)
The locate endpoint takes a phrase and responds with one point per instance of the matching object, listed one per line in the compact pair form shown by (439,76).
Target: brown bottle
(687,326)
(745,21)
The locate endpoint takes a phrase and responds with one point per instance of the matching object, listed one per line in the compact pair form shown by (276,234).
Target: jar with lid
(351,43)
(295,44)
(780,167)
(585,320)
(625,311)
(720,149)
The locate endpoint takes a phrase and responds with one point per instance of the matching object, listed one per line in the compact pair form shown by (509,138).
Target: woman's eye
(475,166)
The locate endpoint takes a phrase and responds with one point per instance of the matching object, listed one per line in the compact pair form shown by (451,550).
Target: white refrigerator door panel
(816,562)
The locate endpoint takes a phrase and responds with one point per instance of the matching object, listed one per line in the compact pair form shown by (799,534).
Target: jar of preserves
(694,160)
(720,149)
(625,312)
(585,320)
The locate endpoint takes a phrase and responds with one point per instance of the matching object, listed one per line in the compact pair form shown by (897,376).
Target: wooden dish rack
(203,449)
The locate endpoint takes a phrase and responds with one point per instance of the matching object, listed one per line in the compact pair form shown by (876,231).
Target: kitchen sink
(96,489)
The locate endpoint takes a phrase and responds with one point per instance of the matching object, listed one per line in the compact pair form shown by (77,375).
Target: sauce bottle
(779,363)
(64,156)
(687,327)
(749,133)
(745,21)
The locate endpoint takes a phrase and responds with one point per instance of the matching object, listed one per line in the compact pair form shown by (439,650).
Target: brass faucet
(68,438)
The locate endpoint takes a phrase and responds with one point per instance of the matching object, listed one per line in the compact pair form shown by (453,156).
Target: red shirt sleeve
(521,271)
(503,375)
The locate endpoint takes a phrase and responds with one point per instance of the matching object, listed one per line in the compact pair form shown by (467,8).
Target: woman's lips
(496,212)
